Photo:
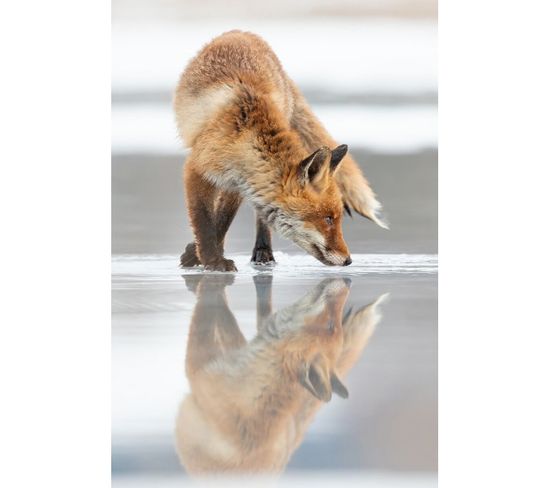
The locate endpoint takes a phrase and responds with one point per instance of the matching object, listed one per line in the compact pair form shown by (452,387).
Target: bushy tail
(357,193)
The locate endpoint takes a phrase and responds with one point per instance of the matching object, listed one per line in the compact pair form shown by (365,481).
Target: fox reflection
(251,402)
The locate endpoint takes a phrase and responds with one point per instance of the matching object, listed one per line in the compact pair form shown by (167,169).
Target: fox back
(212,80)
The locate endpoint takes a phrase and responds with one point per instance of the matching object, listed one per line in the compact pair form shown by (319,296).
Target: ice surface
(387,423)
(165,267)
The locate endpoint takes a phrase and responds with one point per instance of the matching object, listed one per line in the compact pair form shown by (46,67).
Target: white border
(493,187)
(55,200)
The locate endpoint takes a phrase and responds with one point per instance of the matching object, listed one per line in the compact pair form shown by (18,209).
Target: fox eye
(329,220)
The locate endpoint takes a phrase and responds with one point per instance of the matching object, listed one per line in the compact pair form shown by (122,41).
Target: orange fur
(252,134)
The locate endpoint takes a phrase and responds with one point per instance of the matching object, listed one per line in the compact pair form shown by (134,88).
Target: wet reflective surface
(251,402)
(266,371)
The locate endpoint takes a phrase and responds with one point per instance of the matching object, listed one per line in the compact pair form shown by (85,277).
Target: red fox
(251,403)
(253,136)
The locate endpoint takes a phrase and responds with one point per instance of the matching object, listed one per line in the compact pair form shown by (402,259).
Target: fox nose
(347,262)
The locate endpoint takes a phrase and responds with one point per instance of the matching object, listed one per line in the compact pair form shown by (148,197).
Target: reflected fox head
(251,402)
(308,337)
(309,211)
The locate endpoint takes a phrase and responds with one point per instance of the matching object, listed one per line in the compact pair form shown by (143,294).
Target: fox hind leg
(262,252)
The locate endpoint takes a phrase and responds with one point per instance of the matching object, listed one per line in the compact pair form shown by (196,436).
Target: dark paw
(221,264)
(189,258)
(262,255)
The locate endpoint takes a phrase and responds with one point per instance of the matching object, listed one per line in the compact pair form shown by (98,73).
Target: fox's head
(310,210)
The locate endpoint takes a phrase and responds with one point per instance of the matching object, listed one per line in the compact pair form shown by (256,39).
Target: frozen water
(165,267)
(388,423)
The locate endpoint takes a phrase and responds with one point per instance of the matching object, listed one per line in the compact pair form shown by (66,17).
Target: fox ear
(315,378)
(337,155)
(337,386)
(315,167)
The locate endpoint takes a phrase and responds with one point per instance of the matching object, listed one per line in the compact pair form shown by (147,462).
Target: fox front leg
(201,203)
(262,252)
(226,206)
